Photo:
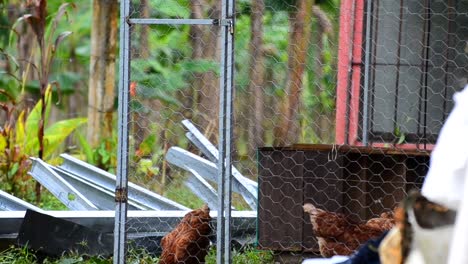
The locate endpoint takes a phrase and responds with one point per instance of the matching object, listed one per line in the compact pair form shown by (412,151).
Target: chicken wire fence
(338,113)
(176,64)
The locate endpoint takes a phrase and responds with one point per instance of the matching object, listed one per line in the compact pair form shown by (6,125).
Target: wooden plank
(280,214)
(351,149)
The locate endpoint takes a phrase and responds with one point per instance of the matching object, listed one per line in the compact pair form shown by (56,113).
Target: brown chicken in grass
(338,235)
(188,242)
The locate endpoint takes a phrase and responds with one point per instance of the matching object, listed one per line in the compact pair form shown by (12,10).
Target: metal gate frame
(226,85)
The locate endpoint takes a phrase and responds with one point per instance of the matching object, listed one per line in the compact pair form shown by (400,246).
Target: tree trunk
(102,70)
(189,97)
(141,119)
(323,124)
(196,31)
(205,45)
(144,31)
(256,77)
(286,132)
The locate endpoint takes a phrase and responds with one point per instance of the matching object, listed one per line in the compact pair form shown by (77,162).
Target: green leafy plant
(19,141)
(103,156)
(48,42)
(146,159)
(399,135)
(160,81)
(45,35)
(13,162)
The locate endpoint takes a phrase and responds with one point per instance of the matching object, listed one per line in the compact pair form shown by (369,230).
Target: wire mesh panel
(169,84)
(333,119)
(286,96)
(419,47)
(179,75)
(346,141)
(166,84)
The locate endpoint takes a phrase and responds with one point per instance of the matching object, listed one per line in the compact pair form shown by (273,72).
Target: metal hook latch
(231,26)
(226,23)
(333,154)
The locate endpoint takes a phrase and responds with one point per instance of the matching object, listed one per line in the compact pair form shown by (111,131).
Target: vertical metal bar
(229,66)
(365,114)
(220,247)
(426,69)
(421,80)
(450,20)
(122,152)
(375,38)
(424,73)
(225,135)
(398,69)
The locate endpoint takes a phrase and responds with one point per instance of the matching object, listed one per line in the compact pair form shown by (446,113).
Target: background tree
(286,131)
(320,98)
(206,46)
(256,76)
(101,94)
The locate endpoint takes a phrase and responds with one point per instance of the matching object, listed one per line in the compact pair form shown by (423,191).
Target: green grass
(17,255)
(180,193)
(247,256)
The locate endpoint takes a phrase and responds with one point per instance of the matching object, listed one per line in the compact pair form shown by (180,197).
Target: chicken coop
(399,64)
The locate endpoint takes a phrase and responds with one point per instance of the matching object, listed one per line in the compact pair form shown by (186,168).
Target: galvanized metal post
(221,161)
(122,150)
(225,133)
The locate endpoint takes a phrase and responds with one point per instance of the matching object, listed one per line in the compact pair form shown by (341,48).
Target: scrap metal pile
(89,193)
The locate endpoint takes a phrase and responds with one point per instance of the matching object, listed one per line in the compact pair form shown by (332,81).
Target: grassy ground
(16,255)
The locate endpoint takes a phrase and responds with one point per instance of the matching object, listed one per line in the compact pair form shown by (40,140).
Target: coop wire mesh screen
(336,104)
(390,69)
(417,60)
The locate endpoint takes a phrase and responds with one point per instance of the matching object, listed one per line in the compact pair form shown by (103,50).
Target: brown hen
(188,242)
(338,235)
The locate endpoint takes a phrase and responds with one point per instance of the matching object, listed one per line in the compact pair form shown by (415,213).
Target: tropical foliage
(285,77)
(19,141)
(283,95)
